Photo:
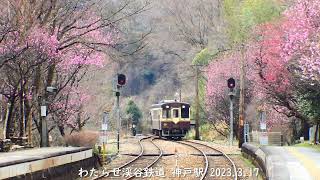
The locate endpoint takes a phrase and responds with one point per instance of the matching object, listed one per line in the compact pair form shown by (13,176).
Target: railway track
(205,148)
(204,156)
(213,159)
(140,161)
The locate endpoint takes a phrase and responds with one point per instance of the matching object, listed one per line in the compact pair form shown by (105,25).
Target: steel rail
(225,155)
(153,162)
(204,155)
(129,162)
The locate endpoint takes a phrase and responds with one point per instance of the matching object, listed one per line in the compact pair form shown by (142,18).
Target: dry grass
(208,132)
(82,139)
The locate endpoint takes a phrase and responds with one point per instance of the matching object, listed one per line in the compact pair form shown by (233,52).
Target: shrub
(207,133)
(191,134)
(82,139)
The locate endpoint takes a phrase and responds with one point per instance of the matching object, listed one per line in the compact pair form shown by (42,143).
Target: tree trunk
(305,130)
(79,118)
(50,76)
(61,130)
(21,119)
(79,122)
(316,133)
(9,118)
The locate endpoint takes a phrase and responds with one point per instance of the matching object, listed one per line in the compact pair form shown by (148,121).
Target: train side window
(185,112)
(166,113)
(176,113)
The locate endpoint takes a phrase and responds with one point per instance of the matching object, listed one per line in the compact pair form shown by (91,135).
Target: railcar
(170,118)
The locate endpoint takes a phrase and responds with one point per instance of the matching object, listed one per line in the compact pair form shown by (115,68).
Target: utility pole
(44,125)
(197,137)
(43,113)
(241,105)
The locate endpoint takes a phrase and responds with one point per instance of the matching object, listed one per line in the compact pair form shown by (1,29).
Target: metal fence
(266,138)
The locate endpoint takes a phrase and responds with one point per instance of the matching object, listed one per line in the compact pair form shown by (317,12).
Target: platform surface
(10,158)
(28,161)
(292,163)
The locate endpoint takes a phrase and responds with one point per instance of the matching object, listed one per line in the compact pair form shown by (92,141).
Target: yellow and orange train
(170,118)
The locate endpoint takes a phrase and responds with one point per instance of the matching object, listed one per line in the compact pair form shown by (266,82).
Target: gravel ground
(224,147)
(130,145)
(180,161)
(183,164)
(220,165)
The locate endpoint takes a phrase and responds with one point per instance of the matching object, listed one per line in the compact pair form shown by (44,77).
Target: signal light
(231,83)
(121,79)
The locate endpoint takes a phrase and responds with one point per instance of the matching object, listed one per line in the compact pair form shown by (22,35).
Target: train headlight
(167,107)
(183,106)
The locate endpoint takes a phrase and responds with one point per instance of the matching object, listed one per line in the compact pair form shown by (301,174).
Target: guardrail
(257,157)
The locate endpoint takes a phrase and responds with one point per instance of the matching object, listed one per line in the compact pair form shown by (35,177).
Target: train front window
(176,113)
(166,113)
(184,112)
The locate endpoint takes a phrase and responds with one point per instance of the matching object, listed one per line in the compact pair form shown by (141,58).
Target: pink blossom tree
(51,43)
(217,99)
(285,54)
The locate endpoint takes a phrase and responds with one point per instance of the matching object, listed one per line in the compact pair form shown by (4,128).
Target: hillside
(156,72)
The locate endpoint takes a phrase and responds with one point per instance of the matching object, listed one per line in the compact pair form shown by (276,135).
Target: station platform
(284,162)
(27,162)
(294,163)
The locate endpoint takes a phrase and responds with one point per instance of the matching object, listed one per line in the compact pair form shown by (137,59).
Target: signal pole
(118,120)
(120,81)
(197,136)
(231,122)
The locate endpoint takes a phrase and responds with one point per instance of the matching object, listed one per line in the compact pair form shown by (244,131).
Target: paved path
(292,163)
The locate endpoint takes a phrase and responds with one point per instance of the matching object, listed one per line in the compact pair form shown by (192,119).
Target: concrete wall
(256,156)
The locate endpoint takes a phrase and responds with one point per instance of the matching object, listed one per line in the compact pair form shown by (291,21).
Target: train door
(176,115)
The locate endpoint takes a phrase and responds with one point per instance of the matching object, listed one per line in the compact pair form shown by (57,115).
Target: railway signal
(121,79)
(231,85)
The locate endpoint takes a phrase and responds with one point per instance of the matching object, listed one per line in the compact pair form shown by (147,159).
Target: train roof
(168,102)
